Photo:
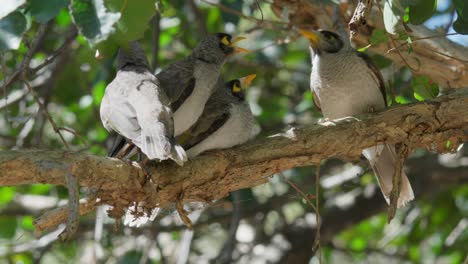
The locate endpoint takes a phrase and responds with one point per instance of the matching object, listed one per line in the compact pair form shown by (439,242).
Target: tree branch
(212,176)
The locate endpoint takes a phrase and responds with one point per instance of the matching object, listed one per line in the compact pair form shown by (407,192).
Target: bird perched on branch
(135,106)
(345,82)
(190,81)
(225,122)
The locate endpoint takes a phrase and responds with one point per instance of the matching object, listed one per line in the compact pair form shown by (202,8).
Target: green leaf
(420,11)
(44,11)
(6,194)
(8,224)
(461,24)
(27,223)
(393,12)
(9,6)
(378,36)
(423,88)
(358,243)
(98,92)
(134,20)
(63,18)
(96,24)
(12,28)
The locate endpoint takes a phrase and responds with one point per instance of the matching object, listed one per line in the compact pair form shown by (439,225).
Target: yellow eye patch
(225,41)
(236,88)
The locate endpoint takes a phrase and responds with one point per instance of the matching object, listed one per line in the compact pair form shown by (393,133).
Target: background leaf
(393,13)
(461,24)
(420,11)
(93,20)
(9,6)
(12,28)
(134,20)
(43,11)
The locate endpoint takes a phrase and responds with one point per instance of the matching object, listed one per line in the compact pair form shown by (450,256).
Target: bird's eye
(225,41)
(236,88)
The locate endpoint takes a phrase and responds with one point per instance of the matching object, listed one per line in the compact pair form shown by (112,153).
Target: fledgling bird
(345,82)
(135,106)
(225,122)
(190,81)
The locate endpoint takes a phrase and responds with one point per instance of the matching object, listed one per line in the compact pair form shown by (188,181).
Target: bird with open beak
(226,120)
(190,81)
(344,83)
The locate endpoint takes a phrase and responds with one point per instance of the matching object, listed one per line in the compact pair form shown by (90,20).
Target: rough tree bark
(212,176)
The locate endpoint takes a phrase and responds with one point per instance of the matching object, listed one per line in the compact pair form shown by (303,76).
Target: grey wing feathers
(214,115)
(176,78)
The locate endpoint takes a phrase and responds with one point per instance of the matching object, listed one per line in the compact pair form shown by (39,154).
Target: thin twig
(74,204)
(37,41)
(270,24)
(402,151)
(317,215)
(46,113)
(225,254)
(395,46)
(76,134)
(418,39)
(307,198)
(156,34)
(199,19)
(69,39)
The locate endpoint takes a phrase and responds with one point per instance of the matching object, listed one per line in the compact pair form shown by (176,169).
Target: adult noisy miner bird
(190,81)
(345,82)
(225,122)
(135,106)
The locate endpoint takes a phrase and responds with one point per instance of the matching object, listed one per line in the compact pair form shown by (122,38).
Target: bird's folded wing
(203,129)
(176,78)
(376,74)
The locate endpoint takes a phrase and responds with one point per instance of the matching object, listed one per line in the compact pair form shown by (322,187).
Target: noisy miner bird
(225,122)
(135,106)
(190,81)
(345,82)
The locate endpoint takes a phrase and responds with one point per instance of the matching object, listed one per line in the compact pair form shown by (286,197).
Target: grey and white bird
(225,122)
(135,106)
(190,81)
(344,83)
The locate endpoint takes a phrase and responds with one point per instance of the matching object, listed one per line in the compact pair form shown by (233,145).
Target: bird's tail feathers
(178,154)
(154,143)
(382,159)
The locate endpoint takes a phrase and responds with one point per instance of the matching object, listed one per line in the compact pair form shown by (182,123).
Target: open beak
(247,80)
(312,36)
(236,48)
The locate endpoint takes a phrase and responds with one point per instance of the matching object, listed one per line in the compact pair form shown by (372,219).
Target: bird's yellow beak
(247,80)
(231,43)
(313,37)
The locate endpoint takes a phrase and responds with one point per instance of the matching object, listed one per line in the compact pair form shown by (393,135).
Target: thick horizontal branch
(432,54)
(212,176)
